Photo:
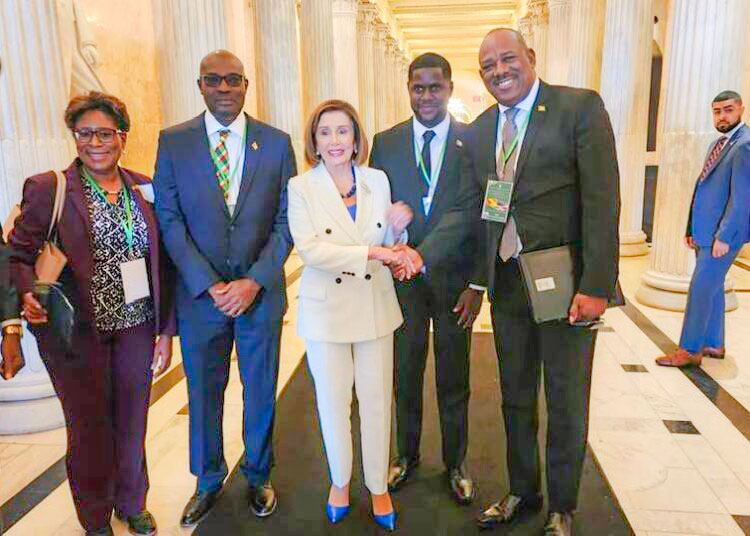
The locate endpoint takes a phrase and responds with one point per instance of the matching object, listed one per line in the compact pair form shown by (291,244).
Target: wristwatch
(13,329)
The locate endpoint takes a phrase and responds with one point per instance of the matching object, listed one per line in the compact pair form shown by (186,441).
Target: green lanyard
(126,224)
(435,171)
(519,134)
(217,164)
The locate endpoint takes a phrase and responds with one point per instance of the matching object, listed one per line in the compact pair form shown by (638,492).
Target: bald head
(506,65)
(221,56)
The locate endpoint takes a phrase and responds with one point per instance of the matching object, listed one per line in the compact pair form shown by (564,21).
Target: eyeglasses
(214,80)
(105,135)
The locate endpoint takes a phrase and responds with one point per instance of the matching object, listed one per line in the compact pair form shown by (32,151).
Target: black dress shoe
(198,506)
(262,499)
(400,471)
(559,524)
(141,524)
(106,531)
(462,486)
(511,508)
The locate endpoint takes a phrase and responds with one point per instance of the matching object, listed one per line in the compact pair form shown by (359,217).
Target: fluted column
(405,107)
(277,68)
(366,64)
(186,30)
(316,36)
(694,49)
(345,54)
(558,39)
(540,17)
(626,73)
(526,27)
(585,49)
(391,48)
(381,87)
(33,138)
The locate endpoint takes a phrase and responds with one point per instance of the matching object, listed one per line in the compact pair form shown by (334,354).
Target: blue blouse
(353,211)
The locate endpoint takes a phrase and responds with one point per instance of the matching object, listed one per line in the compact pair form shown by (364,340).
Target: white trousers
(368,366)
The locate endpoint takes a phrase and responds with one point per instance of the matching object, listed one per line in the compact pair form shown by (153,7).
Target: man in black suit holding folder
(553,148)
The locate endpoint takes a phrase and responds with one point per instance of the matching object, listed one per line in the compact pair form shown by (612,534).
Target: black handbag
(60,313)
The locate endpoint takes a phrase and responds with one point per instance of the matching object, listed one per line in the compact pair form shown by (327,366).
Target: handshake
(405,262)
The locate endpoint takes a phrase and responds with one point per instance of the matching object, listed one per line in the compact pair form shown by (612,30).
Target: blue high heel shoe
(336,513)
(387,521)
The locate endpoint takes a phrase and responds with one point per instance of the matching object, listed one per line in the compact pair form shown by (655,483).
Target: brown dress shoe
(680,358)
(559,524)
(717,352)
(511,508)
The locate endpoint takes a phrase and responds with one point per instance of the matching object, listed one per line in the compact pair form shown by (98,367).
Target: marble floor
(675,448)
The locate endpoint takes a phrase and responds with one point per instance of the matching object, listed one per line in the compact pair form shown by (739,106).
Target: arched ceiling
(452,28)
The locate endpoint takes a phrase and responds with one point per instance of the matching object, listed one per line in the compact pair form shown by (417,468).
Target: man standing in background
(718,225)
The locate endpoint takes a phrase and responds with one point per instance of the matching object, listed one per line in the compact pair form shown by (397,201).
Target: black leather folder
(550,279)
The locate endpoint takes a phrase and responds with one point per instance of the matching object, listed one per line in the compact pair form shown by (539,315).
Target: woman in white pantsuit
(342,220)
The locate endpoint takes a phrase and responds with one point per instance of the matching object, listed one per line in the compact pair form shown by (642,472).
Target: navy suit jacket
(721,201)
(207,244)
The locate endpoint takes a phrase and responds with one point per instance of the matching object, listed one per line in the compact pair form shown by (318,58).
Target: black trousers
(423,299)
(565,354)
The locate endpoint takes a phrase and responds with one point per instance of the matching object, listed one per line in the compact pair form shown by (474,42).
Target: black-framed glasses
(214,80)
(105,135)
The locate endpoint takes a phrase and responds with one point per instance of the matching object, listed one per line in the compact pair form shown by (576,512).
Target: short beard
(729,128)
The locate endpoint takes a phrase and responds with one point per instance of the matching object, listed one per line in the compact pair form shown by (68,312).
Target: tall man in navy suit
(718,225)
(221,201)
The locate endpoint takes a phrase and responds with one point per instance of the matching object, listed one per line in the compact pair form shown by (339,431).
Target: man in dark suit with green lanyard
(424,158)
(552,151)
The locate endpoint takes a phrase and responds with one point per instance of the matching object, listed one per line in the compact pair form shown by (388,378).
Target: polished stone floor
(674,447)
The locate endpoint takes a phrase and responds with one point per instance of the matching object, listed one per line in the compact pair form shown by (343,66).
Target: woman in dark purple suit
(118,280)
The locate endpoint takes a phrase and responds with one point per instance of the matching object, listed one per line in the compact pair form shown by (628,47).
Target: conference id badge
(496,204)
(134,280)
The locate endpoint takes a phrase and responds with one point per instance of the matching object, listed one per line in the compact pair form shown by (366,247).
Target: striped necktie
(713,156)
(505,172)
(221,160)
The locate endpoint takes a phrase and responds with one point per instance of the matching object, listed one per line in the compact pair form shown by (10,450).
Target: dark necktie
(713,156)
(426,160)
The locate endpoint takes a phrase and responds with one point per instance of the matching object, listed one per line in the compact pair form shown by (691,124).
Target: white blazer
(343,297)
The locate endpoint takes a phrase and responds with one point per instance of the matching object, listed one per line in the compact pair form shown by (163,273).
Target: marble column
(526,27)
(585,48)
(366,67)
(625,87)
(558,40)
(186,30)
(316,36)
(345,54)
(540,17)
(694,49)
(277,68)
(403,88)
(381,87)
(391,49)
(33,138)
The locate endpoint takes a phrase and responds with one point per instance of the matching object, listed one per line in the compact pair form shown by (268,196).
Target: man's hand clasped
(235,297)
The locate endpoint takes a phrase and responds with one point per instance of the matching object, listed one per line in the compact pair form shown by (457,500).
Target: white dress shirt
(235,150)
(437,152)
(524,106)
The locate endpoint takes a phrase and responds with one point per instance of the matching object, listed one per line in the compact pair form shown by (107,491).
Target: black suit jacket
(566,184)
(9,308)
(447,244)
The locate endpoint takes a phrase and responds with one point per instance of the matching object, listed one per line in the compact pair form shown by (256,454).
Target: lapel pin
(254,146)
(541,108)
(459,143)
